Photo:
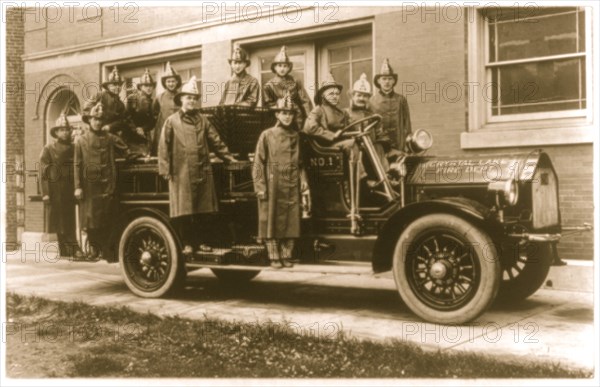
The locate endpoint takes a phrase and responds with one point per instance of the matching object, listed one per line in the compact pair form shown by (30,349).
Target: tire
(446,269)
(235,276)
(149,258)
(524,269)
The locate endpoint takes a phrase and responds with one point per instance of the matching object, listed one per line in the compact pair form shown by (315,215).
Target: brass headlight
(419,141)
(508,189)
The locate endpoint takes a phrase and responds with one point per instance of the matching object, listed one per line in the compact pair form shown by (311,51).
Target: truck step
(325,268)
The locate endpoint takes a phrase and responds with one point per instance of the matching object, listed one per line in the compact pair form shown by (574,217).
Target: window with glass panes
(296,56)
(132,72)
(536,60)
(347,60)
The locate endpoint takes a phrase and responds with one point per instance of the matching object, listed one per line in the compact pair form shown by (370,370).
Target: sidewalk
(552,325)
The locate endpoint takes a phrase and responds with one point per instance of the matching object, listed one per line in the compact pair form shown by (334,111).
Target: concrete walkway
(552,325)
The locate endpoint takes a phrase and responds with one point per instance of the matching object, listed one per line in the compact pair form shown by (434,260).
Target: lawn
(59,339)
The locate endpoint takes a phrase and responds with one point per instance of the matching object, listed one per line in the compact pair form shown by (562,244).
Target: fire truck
(457,232)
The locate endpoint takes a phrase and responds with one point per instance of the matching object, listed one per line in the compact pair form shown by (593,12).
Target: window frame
(309,59)
(344,41)
(153,60)
(559,127)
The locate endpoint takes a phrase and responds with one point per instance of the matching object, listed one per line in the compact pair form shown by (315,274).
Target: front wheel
(446,269)
(149,259)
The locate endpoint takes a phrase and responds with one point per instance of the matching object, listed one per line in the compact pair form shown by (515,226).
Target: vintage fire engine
(456,232)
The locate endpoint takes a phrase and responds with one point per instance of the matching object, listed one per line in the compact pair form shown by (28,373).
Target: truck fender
(468,209)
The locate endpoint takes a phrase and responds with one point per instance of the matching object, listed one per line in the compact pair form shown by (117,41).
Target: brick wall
(429,57)
(426,57)
(14,124)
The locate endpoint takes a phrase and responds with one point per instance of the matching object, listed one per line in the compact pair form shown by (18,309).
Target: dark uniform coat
(277,164)
(277,87)
(57,182)
(114,111)
(324,120)
(140,109)
(377,135)
(183,153)
(396,118)
(241,91)
(96,175)
(163,107)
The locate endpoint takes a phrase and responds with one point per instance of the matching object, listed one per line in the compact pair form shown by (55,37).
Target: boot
(287,246)
(273,251)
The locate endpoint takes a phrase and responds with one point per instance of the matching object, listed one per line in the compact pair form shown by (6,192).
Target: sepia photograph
(299,193)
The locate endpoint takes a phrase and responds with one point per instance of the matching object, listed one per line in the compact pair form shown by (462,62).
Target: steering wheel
(373,121)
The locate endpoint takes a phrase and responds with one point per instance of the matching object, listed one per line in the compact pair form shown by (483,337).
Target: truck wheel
(446,269)
(149,258)
(234,276)
(524,269)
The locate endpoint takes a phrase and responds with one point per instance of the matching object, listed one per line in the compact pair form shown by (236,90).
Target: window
(132,72)
(536,63)
(531,70)
(347,59)
(302,55)
(345,56)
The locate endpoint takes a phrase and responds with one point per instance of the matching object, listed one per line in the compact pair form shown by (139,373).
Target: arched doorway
(61,101)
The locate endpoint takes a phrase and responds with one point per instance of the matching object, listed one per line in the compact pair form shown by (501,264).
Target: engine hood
(475,169)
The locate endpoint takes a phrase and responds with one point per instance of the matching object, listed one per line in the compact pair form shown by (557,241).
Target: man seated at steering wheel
(326,120)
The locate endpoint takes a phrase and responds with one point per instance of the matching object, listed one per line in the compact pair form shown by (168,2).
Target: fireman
(283,83)
(359,109)
(279,181)
(186,140)
(57,182)
(326,120)
(164,104)
(115,117)
(393,107)
(95,178)
(140,108)
(242,89)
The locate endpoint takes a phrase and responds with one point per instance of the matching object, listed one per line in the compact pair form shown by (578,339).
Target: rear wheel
(149,258)
(525,267)
(446,269)
(235,276)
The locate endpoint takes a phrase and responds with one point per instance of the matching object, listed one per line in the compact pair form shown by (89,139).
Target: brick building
(446,58)
(15,198)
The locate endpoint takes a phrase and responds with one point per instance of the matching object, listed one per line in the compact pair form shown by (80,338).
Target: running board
(334,268)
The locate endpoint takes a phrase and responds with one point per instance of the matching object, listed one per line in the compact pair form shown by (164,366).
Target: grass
(117,342)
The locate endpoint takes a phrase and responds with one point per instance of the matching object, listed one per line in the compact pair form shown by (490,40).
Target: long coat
(56,162)
(96,175)
(396,117)
(241,91)
(140,109)
(324,120)
(277,164)
(163,107)
(183,154)
(277,87)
